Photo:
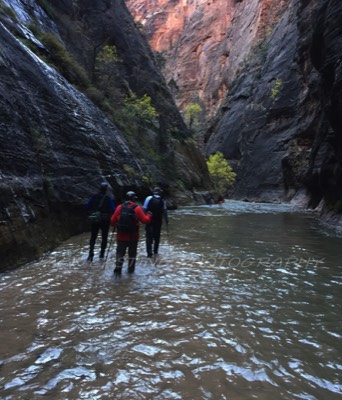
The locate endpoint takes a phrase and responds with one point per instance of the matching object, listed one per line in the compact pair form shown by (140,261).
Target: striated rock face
(280,124)
(274,69)
(254,127)
(57,146)
(204,43)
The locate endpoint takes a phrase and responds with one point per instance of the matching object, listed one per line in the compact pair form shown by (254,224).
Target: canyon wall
(57,145)
(279,124)
(204,43)
(269,74)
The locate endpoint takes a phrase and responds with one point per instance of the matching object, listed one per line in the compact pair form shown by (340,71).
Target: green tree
(192,113)
(140,108)
(106,64)
(221,172)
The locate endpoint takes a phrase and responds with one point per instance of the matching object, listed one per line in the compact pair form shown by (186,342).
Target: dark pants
(121,248)
(153,237)
(95,228)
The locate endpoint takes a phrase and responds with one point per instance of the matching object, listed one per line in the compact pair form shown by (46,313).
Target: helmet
(130,195)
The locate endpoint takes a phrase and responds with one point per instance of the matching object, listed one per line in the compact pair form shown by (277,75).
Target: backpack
(156,206)
(128,221)
(96,216)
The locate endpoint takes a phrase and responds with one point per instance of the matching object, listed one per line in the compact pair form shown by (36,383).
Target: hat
(103,186)
(157,190)
(131,195)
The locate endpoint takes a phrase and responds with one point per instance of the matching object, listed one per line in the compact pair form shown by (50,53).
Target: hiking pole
(110,243)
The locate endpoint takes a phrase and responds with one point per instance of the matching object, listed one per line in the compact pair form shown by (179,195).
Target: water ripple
(226,312)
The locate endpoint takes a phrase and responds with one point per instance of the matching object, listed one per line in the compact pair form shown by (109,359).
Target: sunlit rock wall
(204,43)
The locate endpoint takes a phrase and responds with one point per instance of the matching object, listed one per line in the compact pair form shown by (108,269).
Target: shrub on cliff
(192,113)
(105,65)
(140,108)
(64,61)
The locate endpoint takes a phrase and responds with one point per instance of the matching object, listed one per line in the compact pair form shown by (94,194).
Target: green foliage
(105,64)
(180,185)
(8,11)
(107,55)
(131,173)
(29,44)
(192,113)
(34,28)
(278,84)
(221,172)
(64,61)
(149,179)
(47,8)
(140,108)
(95,95)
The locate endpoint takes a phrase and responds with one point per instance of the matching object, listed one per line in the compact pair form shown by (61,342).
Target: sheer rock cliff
(204,43)
(57,146)
(280,124)
(269,73)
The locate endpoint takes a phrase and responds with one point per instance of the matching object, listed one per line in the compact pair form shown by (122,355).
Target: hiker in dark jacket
(126,219)
(100,208)
(157,206)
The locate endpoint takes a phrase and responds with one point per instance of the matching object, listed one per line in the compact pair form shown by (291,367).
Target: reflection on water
(244,302)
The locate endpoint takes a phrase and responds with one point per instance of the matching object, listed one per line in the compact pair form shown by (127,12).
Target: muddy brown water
(243,302)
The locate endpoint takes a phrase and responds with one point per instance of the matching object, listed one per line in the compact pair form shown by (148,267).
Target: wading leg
(120,255)
(132,255)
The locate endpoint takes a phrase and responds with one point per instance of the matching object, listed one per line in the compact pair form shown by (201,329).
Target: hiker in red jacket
(126,218)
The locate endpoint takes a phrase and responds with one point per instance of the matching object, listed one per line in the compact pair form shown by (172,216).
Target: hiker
(220,200)
(126,219)
(157,206)
(100,208)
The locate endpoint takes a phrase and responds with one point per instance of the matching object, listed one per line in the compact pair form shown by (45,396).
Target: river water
(243,302)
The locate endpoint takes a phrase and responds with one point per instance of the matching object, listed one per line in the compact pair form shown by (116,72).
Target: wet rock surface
(56,145)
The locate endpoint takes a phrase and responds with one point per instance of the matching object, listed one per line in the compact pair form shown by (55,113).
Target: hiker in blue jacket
(100,208)
(158,207)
